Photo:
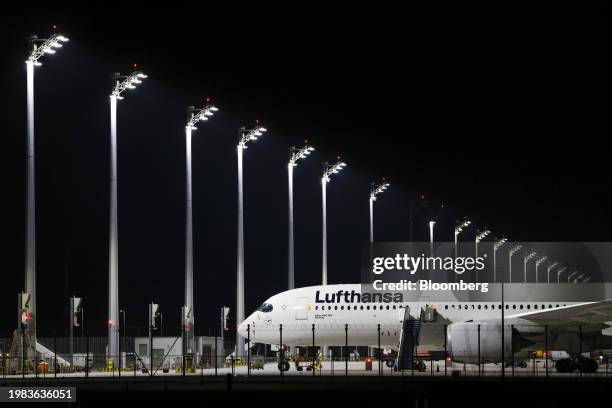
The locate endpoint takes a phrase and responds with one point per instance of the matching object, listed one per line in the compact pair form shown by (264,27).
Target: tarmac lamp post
(539,262)
(559,272)
(586,279)
(480,235)
(121,83)
(375,191)
(571,275)
(526,260)
(511,253)
(550,268)
(459,226)
(496,245)
(246,136)
(431,237)
(195,116)
(327,172)
(38,48)
(577,280)
(295,155)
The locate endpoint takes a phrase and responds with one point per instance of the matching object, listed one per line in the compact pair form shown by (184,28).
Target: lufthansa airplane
(464,327)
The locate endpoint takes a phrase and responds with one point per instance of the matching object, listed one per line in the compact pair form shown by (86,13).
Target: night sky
(507,125)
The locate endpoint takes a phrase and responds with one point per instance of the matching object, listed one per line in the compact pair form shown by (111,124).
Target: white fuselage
(331,308)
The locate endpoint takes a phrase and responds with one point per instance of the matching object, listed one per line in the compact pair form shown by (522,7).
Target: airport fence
(479,356)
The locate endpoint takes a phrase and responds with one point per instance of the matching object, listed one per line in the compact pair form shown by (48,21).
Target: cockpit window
(265,308)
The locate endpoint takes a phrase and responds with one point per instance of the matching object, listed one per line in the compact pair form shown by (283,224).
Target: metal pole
(479,358)
(313,350)
(346,349)
(280,350)
(30,251)
(113,265)
(580,344)
(183,346)
(72,331)
(87,355)
(503,332)
(494,264)
(379,353)
(546,347)
(249,348)
(445,349)
(188,320)
(291,266)
(55,356)
(240,267)
(151,339)
(431,237)
(216,355)
(371,219)
(324,237)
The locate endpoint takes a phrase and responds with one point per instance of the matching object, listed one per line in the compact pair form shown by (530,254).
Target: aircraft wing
(588,313)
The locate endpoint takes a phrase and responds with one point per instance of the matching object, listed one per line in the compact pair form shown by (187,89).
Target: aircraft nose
(243,327)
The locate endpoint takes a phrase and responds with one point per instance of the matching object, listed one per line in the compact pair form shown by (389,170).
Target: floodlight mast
(511,253)
(195,116)
(496,245)
(374,192)
(327,172)
(295,155)
(121,83)
(539,262)
(550,268)
(526,260)
(459,226)
(39,47)
(246,136)
(559,272)
(480,235)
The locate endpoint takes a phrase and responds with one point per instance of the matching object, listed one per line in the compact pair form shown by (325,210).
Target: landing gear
(587,365)
(565,365)
(583,365)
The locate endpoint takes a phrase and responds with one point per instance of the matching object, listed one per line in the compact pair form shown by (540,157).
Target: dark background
(500,115)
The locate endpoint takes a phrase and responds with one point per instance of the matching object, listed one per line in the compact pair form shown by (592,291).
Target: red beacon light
(110,322)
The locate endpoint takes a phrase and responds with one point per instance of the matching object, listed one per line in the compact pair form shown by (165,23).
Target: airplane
(452,324)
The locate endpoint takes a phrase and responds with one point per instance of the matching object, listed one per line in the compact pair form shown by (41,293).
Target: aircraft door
(301,308)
